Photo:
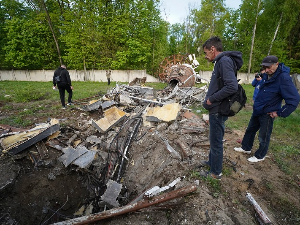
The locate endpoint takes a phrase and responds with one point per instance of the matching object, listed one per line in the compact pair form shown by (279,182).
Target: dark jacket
(65,76)
(226,68)
(256,83)
(272,91)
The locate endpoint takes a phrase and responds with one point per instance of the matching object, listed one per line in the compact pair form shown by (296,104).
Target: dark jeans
(62,87)
(264,124)
(216,135)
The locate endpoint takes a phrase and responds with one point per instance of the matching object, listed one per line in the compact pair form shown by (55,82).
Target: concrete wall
(99,75)
(244,77)
(76,75)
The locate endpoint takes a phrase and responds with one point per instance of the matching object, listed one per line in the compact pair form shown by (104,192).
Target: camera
(258,75)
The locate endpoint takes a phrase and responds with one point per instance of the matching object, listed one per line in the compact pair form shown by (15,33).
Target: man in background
(257,81)
(64,84)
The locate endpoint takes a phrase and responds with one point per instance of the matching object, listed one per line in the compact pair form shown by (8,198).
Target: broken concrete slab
(111,117)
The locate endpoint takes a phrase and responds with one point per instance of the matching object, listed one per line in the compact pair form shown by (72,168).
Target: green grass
(213,184)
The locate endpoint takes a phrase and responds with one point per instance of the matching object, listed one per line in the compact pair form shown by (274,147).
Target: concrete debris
(93,139)
(112,192)
(111,117)
(128,115)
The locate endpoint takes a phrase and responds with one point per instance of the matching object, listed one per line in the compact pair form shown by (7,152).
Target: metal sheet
(71,155)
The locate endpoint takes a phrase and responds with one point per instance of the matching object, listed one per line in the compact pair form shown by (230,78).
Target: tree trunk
(275,34)
(52,31)
(253,37)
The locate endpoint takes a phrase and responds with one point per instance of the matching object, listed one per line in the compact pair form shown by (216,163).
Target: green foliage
(29,44)
(132,35)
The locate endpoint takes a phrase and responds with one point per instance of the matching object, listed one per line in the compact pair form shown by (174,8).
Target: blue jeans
(216,134)
(264,124)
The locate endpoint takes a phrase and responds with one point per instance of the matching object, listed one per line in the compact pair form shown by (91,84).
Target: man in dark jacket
(276,86)
(63,85)
(225,66)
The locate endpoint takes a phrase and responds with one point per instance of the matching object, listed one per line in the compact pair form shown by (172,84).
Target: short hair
(213,41)
(63,66)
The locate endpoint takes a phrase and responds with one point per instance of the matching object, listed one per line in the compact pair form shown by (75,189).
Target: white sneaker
(254,159)
(242,150)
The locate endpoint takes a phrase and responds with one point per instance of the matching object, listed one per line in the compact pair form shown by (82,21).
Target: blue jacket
(256,84)
(271,93)
(225,67)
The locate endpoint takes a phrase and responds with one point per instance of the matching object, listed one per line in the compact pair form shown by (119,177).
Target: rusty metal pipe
(130,208)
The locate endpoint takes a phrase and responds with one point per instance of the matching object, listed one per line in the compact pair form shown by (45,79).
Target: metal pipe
(130,208)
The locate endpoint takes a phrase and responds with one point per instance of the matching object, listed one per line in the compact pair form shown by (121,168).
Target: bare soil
(51,192)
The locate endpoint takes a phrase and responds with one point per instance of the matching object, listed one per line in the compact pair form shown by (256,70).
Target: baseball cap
(269,60)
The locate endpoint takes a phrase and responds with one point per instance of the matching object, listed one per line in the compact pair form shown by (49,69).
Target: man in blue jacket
(225,66)
(275,87)
(256,82)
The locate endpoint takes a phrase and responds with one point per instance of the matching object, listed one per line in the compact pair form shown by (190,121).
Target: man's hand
(208,102)
(273,114)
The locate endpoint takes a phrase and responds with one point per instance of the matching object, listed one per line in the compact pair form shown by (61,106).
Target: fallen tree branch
(130,208)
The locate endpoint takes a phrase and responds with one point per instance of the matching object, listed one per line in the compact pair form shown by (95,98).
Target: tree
(29,45)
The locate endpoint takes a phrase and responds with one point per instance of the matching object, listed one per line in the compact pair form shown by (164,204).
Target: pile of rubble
(141,145)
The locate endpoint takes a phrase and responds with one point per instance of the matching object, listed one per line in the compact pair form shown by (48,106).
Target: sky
(175,11)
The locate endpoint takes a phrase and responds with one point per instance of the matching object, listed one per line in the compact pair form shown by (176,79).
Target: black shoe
(207,174)
(203,163)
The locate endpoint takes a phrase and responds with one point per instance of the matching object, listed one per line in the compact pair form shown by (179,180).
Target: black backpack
(234,103)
